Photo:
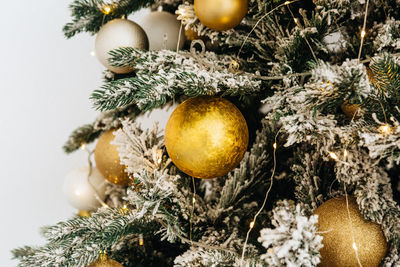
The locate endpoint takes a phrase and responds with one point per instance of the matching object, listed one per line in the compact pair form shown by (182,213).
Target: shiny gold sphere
(334,226)
(84,213)
(104,262)
(352,111)
(220,15)
(206,137)
(107,160)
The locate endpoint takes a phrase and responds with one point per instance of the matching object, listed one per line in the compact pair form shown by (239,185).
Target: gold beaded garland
(206,137)
(107,160)
(339,249)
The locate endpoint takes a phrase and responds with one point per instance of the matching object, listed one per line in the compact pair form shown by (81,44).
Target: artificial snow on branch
(164,75)
(294,240)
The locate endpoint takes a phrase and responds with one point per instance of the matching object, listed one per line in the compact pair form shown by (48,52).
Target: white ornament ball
(80,193)
(115,34)
(162,29)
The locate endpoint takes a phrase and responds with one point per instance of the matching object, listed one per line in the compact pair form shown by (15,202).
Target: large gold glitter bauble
(339,250)
(103,261)
(220,15)
(108,161)
(206,137)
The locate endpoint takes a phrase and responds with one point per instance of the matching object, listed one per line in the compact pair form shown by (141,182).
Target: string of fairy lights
(385,130)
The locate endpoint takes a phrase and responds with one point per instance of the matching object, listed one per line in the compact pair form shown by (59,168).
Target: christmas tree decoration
(103,261)
(352,111)
(346,240)
(84,188)
(220,15)
(206,137)
(116,34)
(84,213)
(273,90)
(107,160)
(191,35)
(163,30)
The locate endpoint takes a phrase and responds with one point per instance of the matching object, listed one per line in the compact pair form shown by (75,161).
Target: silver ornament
(115,34)
(81,190)
(162,29)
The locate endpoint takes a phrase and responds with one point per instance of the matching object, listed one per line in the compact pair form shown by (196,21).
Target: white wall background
(45,85)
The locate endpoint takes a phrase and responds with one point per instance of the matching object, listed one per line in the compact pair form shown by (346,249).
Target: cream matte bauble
(220,15)
(81,190)
(334,225)
(107,160)
(115,34)
(206,137)
(162,29)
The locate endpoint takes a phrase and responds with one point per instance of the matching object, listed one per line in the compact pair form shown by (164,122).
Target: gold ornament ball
(84,213)
(334,226)
(107,160)
(103,261)
(352,111)
(220,15)
(206,137)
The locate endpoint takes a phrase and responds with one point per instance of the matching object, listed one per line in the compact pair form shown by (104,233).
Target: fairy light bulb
(385,129)
(252,225)
(92,53)
(345,153)
(363,34)
(333,155)
(107,10)
(141,241)
(83,146)
(193,200)
(275,145)
(355,246)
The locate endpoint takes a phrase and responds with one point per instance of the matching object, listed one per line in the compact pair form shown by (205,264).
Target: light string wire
(351,228)
(192,209)
(354,245)
(305,37)
(265,201)
(363,30)
(195,243)
(258,21)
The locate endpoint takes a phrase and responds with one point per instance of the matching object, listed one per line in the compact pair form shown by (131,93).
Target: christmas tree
(283,148)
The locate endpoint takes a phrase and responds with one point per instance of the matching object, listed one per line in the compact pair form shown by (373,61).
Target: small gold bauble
(352,111)
(191,34)
(108,161)
(220,15)
(103,261)
(206,137)
(84,213)
(334,226)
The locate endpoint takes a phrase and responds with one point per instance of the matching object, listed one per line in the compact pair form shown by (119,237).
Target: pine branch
(249,175)
(83,135)
(89,15)
(307,169)
(165,75)
(106,121)
(78,241)
(386,76)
